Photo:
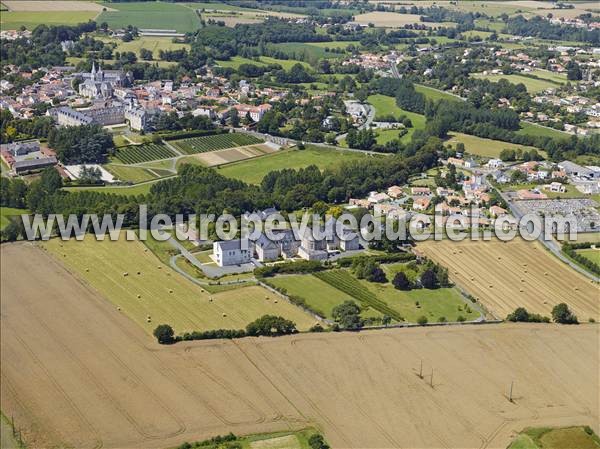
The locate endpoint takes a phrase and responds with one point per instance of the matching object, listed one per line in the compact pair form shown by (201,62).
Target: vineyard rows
(204,144)
(144,153)
(343,281)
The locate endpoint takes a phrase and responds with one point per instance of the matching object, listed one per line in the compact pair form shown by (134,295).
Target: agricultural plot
(65,348)
(254,170)
(556,438)
(220,157)
(504,276)
(147,152)
(130,174)
(134,280)
(153,43)
(194,145)
(13,20)
(395,20)
(531,129)
(486,147)
(156,15)
(318,294)
(436,94)
(533,85)
(592,254)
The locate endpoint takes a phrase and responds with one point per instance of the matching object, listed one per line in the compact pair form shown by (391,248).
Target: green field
(152,43)
(592,254)
(156,15)
(531,129)
(112,267)
(146,152)
(556,438)
(13,20)
(135,190)
(485,147)
(7,212)
(435,94)
(305,52)
(194,145)
(401,305)
(385,105)
(276,440)
(253,170)
(130,174)
(532,85)
(319,295)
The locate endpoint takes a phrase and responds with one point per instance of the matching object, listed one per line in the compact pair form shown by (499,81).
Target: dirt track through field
(76,371)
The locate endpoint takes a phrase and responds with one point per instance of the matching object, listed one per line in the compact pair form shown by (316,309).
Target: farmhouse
(27,156)
(256,112)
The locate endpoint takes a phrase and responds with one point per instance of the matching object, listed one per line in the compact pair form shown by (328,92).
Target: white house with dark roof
(232,252)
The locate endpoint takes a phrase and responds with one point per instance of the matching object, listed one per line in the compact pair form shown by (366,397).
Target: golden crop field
(504,276)
(121,270)
(78,373)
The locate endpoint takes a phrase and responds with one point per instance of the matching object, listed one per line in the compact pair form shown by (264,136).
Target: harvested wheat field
(75,372)
(139,285)
(220,157)
(504,276)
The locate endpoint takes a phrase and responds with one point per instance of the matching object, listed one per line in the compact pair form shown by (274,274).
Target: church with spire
(100,84)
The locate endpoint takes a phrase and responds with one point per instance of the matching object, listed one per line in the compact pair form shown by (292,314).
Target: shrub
(304,266)
(316,441)
(562,314)
(522,315)
(461,319)
(164,334)
(214,334)
(422,320)
(317,328)
(442,319)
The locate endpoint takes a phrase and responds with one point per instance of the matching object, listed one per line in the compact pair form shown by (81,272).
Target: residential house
(232,252)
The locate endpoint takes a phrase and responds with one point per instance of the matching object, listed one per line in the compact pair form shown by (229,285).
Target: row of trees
(266,325)
(561,314)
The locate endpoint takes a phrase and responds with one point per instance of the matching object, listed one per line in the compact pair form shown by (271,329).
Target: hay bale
(87,270)
(139,272)
(170,290)
(159,267)
(224,315)
(139,296)
(210,299)
(275,301)
(119,308)
(125,273)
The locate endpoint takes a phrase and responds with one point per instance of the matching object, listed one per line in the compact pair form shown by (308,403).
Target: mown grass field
(135,190)
(147,152)
(164,295)
(152,43)
(385,105)
(532,85)
(556,438)
(435,94)
(531,129)
(253,171)
(486,147)
(130,174)
(592,254)
(194,145)
(13,20)
(7,212)
(319,295)
(159,15)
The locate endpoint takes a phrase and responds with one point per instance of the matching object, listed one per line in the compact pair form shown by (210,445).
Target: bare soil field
(395,20)
(220,157)
(77,373)
(504,276)
(54,5)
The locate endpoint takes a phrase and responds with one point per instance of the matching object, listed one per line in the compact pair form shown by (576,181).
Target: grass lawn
(159,15)
(531,129)
(165,296)
(13,20)
(334,44)
(130,174)
(152,43)
(385,105)
(287,64)
(319,295)
(253,170)
(235,61)
(486,147)
(531,84)
(435,94)
(442,302)
(592,254)
(304,51)
(139,189)
(6,212)
(556,438)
